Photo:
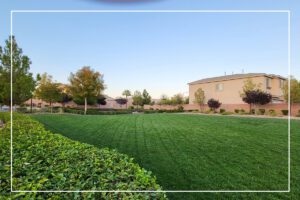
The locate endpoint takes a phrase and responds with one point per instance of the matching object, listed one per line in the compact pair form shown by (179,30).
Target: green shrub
(285,112)
(272,112)
(298,114)
(242,111)
(261,111)
(180,109)
(46,161)
(236,111)
(252,111)
(222,110)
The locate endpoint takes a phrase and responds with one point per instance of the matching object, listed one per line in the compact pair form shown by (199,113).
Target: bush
(242,111)
(213,104)
(252,111)
(261,111)
(272,112)
(180,109)
(298,114)
(47,161)
(285,112)
(222,110)
(236,111)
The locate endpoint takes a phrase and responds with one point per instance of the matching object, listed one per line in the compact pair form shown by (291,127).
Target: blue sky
(161,52)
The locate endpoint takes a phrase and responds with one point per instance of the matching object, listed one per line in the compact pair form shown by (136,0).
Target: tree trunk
(50,106)
(85,105)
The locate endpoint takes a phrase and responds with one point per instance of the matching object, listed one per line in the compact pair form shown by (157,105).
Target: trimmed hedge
(46,161)
(97,111)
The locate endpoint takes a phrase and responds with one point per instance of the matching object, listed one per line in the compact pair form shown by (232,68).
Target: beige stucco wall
(232,89)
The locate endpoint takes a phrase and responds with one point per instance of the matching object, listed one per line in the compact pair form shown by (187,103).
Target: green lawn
(194,152)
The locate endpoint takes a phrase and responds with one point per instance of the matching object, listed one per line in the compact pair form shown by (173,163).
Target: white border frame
(288,12)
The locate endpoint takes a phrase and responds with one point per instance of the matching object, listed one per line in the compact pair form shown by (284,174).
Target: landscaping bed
(43,160)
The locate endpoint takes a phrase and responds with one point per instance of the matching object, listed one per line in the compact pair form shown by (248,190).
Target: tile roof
(234,76)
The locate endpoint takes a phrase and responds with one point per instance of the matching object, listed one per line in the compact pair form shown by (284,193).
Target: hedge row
(46,161)
(96,111)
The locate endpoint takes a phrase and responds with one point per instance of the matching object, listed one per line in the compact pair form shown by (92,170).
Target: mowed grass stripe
(190,151)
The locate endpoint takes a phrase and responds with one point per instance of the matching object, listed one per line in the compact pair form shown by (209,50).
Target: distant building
(227,89)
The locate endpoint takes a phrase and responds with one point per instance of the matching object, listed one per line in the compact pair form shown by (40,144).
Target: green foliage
(85,84)
(294,90)
(96,111)
(48,91)
(126,93)
(80,100)
(173,146)
(222,110)
(285,112)
(249,85)
(200,98)
(261,111)
(137,99)
(272,112)
(23,81)
(146,97)
(46,161)
(236,111)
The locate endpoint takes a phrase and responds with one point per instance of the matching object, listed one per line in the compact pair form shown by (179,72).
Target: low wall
(231,107)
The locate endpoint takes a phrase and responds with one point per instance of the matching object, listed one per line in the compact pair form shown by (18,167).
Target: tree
(121,101)
(177,99)
(146,97)
(86,83)
(23,81)
(164,100)
(186,100)
(200,98)
(101,100)
(47,90)
(254,97)
(65,95)
(126,93)
(249,85)
(213,104)
(137,99)
(294,91)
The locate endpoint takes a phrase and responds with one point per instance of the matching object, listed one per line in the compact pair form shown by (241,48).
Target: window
(219,87)
(268,83)
(281,83)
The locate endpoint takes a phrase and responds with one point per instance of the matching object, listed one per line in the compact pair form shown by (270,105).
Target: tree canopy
(199,98)
(22,80)
(86,83)
(47,90)
(294,90)
(146,97)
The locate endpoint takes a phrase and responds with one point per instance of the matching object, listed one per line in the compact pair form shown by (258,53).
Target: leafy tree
(254,97)
(164,100)
(137,99)
(186,100)
(65,95)
(200,98)
(101,100)
(47,90)
(213,104)
(86,83)
(81,101)
(146,97)
(249,85)
(177,99)
(294,91)
(126,93)
(23,81)
(121,101)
